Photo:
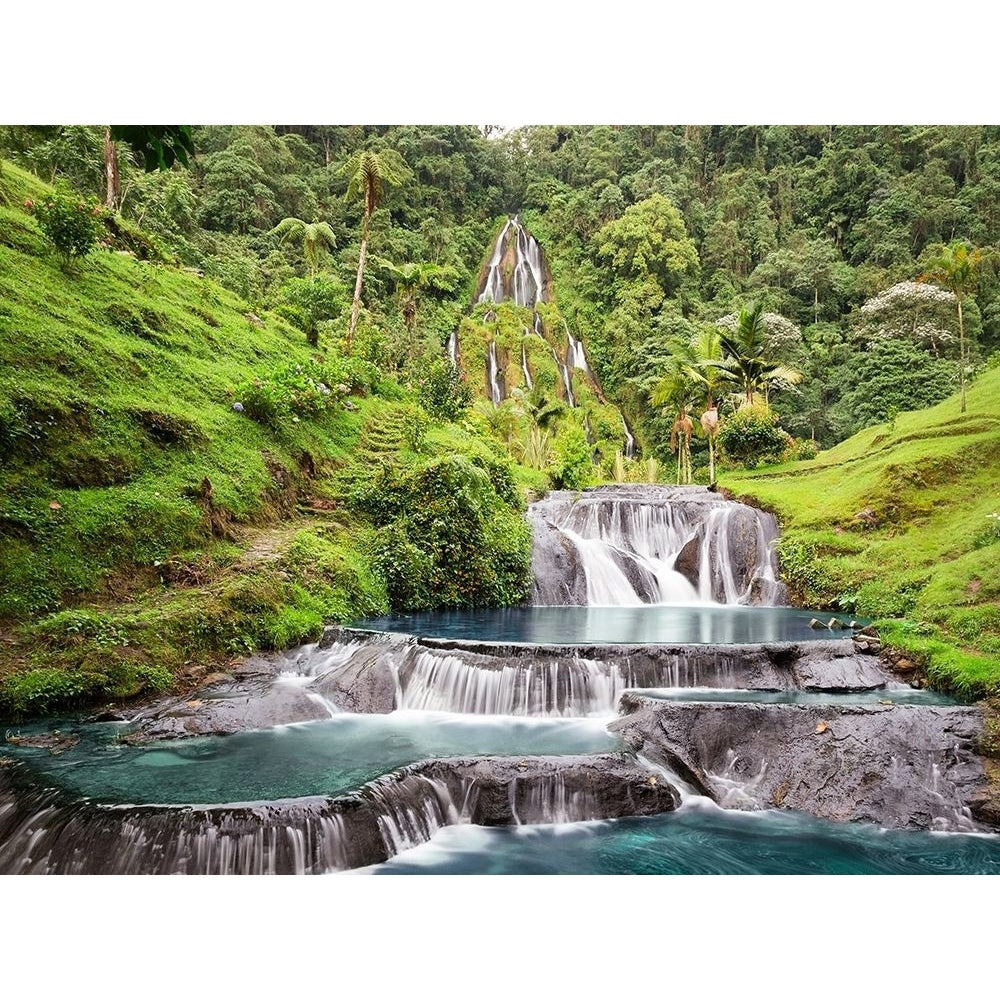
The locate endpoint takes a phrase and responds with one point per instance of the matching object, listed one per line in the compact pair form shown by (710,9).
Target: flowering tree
(911,310)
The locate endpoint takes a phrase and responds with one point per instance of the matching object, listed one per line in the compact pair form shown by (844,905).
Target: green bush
(69,223)
(449,537)
(442,392)
(37,692)
(573,465)
(293,392)
(751,436)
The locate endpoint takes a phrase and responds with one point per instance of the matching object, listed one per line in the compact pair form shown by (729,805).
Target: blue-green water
(887,696)
(699,839)
(329,757)
(647,624)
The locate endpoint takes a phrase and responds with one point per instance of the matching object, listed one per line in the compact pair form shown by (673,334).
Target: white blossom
(904,293)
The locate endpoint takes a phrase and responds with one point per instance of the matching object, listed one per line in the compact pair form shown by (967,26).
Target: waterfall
(494,377)
(630,545)
(576,356)
(629,441)
(566,685)
(45,831)
(453,347)
(566,377)
(524,368)
(522,281)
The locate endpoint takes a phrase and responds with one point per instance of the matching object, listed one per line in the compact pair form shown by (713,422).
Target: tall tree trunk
(961,351)
(355,309)
(114,195)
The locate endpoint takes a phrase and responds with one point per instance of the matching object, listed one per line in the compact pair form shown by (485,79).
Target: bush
(449,535)
(805,450)
(573,464)
(69,223)
(442,393)
(752,436)
(293,392)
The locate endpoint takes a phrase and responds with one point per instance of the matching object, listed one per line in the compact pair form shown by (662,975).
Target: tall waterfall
(494,376)
(629,441)
(516,270)
(630,545)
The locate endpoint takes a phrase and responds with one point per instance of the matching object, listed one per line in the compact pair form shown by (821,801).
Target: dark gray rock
(44,831)
(897,766)
(258,702)
(688,561)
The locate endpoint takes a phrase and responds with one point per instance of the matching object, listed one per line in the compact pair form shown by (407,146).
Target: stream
(637,733)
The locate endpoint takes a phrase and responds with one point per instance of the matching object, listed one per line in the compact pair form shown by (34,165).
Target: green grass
(894,523)
(149,532)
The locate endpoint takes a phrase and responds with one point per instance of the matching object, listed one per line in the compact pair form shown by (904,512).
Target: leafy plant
(69,223)
(442,391)
(752,436)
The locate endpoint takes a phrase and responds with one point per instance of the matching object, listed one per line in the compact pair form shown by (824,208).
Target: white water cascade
(528,383)
(629,441)
(631,545)
(524,284)
(494,376)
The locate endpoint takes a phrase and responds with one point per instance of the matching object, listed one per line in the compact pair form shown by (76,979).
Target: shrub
(805,450)
(293,392)
(69,223)
(449,537)
(573,463)
(752,436)
(442,393)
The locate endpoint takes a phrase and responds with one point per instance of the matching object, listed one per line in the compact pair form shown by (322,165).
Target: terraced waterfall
(656,709)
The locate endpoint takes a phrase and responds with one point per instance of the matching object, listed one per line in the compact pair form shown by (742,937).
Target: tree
(317,239)
(751,350)
(956,268)
(913,310)
(678,390)
(412,281)
(710,380)
(160,146)
(370,173)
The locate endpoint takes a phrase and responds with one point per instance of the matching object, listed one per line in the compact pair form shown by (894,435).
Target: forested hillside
(650,231)
(243,340)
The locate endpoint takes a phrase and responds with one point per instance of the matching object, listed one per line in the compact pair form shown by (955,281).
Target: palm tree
(956,268)
(413,281)
(703,366)
(370,173)
(317,238)
(678,390)
(747,357)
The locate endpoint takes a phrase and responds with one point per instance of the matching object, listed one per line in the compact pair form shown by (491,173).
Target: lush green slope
(900,523)
(183,481)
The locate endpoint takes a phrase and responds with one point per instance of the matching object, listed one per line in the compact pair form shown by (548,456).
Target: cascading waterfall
(629,441)
(566,686)
(566,377)
(453,347)
(524,368)
(576,355)
(523,283)
(635,545)
(494,376)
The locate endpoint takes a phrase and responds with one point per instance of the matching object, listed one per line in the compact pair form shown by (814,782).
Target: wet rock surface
(899,766)
(379,672)
(44,831)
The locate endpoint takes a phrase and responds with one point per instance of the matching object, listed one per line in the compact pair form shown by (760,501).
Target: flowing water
(699,839)
(538,683)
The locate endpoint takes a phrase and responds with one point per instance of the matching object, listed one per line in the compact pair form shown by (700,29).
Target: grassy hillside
(899,523)
(183,482)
